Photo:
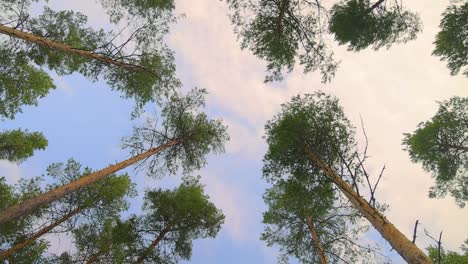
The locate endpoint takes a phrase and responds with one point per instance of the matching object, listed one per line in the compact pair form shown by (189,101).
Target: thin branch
(415,230)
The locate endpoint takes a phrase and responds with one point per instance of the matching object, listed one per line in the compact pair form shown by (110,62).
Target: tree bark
(34,203)
(152,246)
(69,49)
(397,240)
(316,239)
(11,251)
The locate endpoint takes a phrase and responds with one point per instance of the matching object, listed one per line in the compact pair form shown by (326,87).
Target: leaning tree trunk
(69,49)
(152,246)
(34,203)
(316,239)
(11,251)
(397,240)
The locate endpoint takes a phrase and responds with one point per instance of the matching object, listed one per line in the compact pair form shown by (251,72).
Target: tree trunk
(397,240)
(69,49)
(34,203)
(152,246)
(316,239)
(11,251)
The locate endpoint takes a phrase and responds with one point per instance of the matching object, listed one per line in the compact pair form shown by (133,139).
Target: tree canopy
(18,145)
(315,121)
(361,24)
(441,145)
(281,33)
(450,43)
(182,118)
(286,32)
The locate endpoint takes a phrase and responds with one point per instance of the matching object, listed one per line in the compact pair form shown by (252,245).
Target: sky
(392,90)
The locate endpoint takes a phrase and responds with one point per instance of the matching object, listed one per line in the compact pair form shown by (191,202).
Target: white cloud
(244,141)
(10,171)
(235,207)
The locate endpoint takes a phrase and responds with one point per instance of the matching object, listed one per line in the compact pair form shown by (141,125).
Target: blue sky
(393,90)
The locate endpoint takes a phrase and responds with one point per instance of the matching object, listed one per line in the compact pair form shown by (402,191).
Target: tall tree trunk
(11,251)
(152,246)
(315,238)
(69,49)
(34,203)
(397,240)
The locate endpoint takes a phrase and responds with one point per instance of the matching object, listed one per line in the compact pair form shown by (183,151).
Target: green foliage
(451,44)
(360,25)
(182,119)
(152,76)
(104,199)
(112,241)
(176,216)
(284,32)
(291,201)
(449,257)
(21,83)
(441,145)
(18,145)
(18,230)
(186,214)
(314,121)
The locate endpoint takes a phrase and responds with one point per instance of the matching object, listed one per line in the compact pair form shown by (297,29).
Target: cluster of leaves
(451,42)
(360,25)
(18,145)
(283,32)
(441,145)
(314,121)
(182,120)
